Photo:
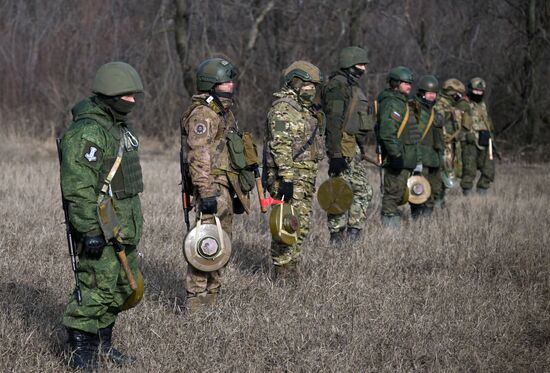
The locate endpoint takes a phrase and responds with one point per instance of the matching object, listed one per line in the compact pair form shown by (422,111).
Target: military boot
(467,192)
(354,234)
(440,204)
(337,237)
(84,350)
(107,350)
(482,191)
(391,221)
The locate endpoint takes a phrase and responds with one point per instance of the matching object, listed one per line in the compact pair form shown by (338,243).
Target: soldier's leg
(362,195)
(469,166)
(487,168)
(395,183)
(436,184)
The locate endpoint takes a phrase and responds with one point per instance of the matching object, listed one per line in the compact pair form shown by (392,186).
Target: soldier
(477,146)
(348,121)
(293,148)
(398,134)
(209,134)
(98,143)
(453,109)
(431,141)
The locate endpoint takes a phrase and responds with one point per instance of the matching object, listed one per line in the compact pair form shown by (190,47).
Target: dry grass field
(465,291)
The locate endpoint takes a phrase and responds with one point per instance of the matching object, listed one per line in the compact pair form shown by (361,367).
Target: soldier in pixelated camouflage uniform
(478,136)
(294,146)
(89,148)
(399,135)
(348,122)
(431,142)
(206,127)
(453,110)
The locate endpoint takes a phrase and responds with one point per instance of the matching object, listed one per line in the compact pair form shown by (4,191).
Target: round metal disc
(203,250)
(335,196)
(286,228)
(419,189)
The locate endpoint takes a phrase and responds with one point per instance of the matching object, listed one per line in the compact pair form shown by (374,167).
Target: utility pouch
(484,137)
(235,147)
(108,220)
(250,151)
(247,180)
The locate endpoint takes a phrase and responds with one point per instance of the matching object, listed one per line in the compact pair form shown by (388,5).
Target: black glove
(286,190)
(93,246)
(336,166)
(209,205)
(397,163)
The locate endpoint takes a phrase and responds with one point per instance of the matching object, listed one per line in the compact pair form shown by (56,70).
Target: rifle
(68,231)
(186,187)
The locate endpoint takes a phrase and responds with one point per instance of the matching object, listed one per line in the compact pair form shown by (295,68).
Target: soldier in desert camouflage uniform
(348,122)
(478,137)
(452,109)
(206,127)
(293,148)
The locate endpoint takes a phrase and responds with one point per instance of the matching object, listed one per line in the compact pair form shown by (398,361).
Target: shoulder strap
(429,125)
(112,172)
(307,144)
(403,123)
(289,101)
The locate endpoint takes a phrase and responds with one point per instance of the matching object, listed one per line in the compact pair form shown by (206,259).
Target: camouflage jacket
(480,117)
(454,116)
(89,148)
(345,130)
(203,138)
(392,112)
(289,126)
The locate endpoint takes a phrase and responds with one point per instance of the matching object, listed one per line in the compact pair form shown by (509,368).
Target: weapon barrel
(184,189)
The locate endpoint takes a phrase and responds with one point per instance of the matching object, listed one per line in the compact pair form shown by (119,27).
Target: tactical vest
(480,118)
(357,116)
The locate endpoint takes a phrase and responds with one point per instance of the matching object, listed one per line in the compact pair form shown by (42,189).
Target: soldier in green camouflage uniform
(348,122)
(89,148)
(452,109)
(293,149)
(431,143)
(477,138)
(206,127)
(399,135)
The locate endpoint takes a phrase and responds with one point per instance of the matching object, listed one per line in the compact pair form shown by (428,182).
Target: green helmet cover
(428,83)
(477,83)
(117,78)
(214,71)
(401,74)
(351,56)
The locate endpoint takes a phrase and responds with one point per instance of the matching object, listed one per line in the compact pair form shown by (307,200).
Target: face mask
(476,98)
(307,95)
(355,72)
(122,106)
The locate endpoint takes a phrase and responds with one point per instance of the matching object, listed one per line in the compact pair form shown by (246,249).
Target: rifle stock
(69,234)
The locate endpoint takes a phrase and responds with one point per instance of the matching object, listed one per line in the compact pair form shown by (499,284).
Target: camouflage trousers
(356,216)
(104,289)
(197,281)
(395,184)
(474,159)
(302,201)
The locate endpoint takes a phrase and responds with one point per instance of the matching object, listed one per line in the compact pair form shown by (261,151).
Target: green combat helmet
(304,71)
(477,83)
(352,56)
(428,83)
(453,85)
(401,74)
(115,79)
(214,71)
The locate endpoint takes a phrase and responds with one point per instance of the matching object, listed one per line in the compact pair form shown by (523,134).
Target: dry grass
(464,291)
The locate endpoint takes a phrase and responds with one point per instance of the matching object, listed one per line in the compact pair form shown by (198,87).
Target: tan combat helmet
(303,70)
(453,85)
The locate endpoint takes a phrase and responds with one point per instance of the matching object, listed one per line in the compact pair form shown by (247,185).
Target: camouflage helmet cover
(401,74)
(352,56)
(214,71)
(304,71)
(116,78)
(454,85)
(477,83)
(428,83)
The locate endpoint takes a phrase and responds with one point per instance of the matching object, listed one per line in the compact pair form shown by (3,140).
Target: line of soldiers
(439,135)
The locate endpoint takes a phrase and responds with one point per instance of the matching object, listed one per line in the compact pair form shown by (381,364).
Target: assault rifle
(186,188)
(70,239)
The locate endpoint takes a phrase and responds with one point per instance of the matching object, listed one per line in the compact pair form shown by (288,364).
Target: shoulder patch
(91,153)
(395,115)
(280,125)
(199,128)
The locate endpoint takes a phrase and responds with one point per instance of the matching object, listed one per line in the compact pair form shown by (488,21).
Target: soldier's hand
(209,205)
(93,246)
(336,166)
(448,138)
(286,190)
(397,163)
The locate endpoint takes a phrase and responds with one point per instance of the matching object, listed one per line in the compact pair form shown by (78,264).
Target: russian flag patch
(395,115)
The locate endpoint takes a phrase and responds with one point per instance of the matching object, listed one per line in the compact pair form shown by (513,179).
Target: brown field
(466,290)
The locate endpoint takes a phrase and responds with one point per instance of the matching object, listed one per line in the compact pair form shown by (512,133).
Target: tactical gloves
(286,190)
(209,205)
(337,166)
(397,163)
(93,246)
